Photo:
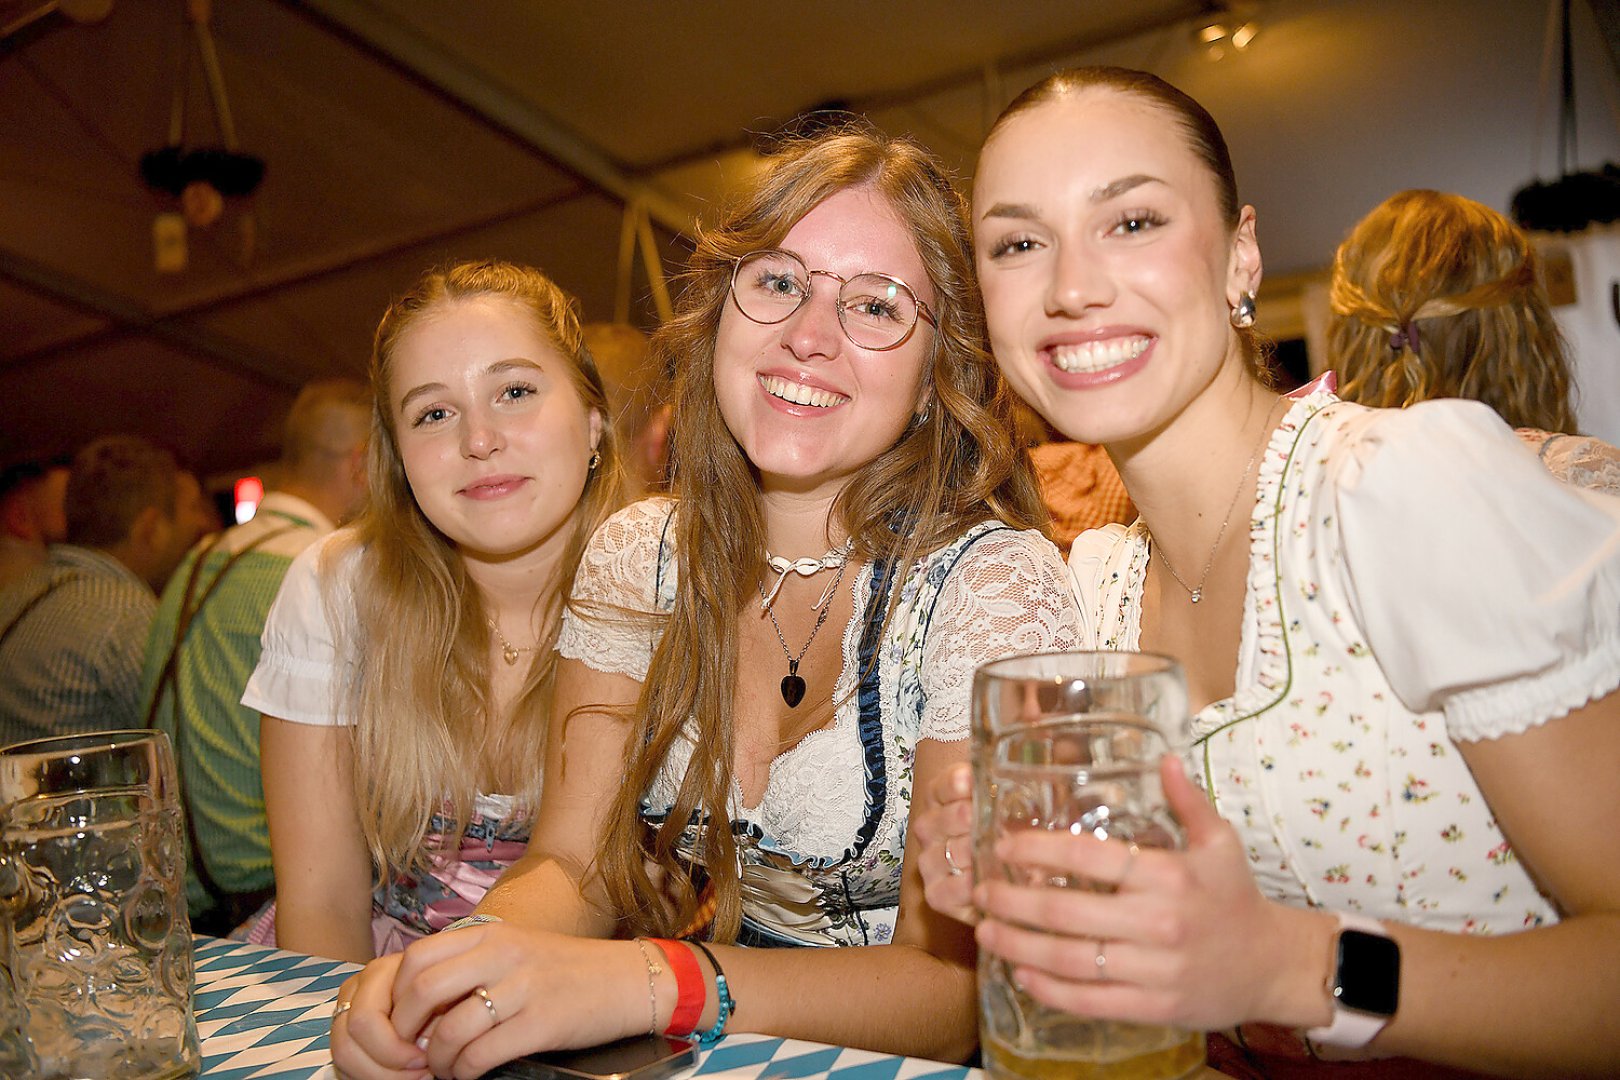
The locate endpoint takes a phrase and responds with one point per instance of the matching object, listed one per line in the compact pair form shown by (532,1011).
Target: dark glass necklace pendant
(792,686)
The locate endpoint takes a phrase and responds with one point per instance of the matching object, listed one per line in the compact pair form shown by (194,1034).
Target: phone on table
(641,1057)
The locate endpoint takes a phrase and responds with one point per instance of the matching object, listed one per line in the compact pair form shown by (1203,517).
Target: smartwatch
(1364,985)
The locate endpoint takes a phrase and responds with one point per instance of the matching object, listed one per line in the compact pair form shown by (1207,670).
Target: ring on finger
(950,863)
(483,995)
(340,1008)
(1102,960)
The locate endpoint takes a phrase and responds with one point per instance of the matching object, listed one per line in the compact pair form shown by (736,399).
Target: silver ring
(340,1008)
(1102,961)
(483,995)
(950,863)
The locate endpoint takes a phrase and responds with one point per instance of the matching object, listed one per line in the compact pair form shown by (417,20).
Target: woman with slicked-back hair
(1401,639)
(407,670)
(757,675)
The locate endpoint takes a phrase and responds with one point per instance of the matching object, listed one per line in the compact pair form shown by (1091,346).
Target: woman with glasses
(754,678)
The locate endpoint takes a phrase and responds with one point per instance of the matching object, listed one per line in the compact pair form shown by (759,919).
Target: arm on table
(322,867)
(551,886)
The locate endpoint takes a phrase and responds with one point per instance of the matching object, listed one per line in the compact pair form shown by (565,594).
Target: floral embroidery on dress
(1342,797)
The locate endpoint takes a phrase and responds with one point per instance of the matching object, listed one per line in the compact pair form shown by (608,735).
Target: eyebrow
(1027,212)
(499,367)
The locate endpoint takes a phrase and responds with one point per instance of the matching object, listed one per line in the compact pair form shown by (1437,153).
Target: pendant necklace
(509,652)
(1197,592)
(793,682)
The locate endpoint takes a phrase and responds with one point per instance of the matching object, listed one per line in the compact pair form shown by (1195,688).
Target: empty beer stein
(97,940)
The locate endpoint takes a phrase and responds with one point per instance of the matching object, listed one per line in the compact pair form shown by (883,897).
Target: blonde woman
(408,664)
(1435,295)
(760,674)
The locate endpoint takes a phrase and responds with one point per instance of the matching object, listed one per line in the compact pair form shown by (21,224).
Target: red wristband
(691,993)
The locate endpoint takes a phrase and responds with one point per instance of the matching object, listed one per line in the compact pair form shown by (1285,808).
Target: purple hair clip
(1406,337)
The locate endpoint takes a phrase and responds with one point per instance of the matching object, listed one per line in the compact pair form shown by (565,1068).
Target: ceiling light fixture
(1225,27)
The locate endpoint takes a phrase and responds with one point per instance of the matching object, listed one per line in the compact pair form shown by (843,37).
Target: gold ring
(1131,853)
(340,1008)
(950,863)
(1102,961)
(483,995)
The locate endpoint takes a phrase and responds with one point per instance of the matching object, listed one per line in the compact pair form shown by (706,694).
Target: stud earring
(1243,311)
(596,459)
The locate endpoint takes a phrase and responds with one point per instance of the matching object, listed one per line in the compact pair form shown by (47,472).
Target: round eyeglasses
(877,312)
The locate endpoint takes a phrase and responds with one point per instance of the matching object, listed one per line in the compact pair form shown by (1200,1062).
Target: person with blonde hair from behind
(407,664)
(205,643)
(1438,296)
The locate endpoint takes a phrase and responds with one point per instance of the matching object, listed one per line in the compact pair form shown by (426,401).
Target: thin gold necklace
(509,652)
(1197,593)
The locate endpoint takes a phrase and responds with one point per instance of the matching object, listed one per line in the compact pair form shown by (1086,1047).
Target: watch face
(1368,973)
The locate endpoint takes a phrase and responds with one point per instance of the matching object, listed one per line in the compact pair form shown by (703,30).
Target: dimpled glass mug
(97,940)
(1072,742)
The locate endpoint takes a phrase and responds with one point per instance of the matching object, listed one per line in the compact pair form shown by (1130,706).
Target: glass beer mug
(96,937)
(1072,742)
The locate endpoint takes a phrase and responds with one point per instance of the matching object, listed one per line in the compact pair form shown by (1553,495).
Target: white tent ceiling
(400,133)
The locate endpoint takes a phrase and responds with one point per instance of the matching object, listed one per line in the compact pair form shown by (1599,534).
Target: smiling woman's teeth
(800,394)
(1098,355)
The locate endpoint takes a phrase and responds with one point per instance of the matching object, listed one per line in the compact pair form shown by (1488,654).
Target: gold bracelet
(654,969)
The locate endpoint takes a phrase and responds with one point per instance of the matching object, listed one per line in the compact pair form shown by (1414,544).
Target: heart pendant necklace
(793,682)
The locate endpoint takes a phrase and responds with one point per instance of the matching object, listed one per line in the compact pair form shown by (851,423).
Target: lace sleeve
(1008,594)
(1577,459)
(611,621)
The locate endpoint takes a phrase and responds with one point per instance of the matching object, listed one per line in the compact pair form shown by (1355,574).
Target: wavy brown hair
(954,468)
(421,695)
(1435,295)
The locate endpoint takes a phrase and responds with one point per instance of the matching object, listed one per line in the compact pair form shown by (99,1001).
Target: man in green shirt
(205,643)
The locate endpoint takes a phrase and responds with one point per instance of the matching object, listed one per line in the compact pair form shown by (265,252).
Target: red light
(249,489)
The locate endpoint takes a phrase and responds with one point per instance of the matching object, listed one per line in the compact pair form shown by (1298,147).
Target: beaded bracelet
(474,919)
(653,971)
(690,993)
(727,1003)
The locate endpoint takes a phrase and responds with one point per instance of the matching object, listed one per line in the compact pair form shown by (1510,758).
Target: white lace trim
(1007,593)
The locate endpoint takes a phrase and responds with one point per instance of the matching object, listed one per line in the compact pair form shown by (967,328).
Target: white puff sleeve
(611,622)
(300,675)
(1485,588)
(1008,594)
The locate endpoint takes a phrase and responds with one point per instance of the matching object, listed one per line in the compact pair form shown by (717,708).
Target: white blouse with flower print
(1416,579)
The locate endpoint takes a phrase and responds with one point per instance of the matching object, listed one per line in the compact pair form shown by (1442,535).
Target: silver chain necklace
(793,682)
(1197,593)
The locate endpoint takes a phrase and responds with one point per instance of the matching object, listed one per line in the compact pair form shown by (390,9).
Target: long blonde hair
(951,469)
(421,694)
(1435,295)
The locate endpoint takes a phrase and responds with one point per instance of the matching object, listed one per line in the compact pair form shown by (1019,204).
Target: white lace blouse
(1416,579)
(822,850)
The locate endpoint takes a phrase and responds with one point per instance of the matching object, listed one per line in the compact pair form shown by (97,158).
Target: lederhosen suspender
(234,906)
(34,602)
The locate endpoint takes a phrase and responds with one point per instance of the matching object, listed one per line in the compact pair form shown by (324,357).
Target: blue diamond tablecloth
(265,1013)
